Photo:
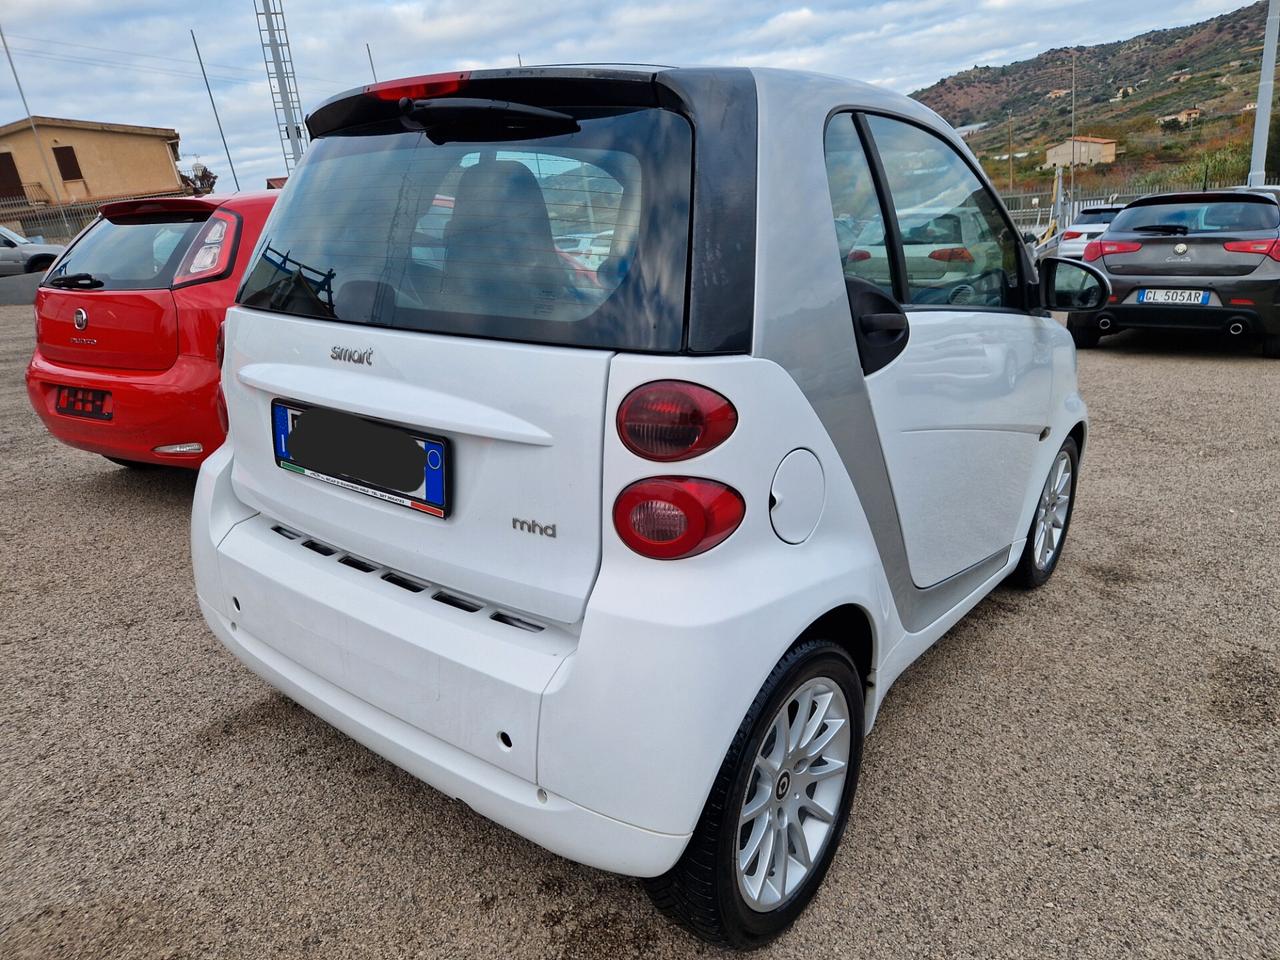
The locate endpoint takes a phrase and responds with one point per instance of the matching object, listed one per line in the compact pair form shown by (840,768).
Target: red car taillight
(857,256)
(670,518)
(952,255)
(1270,248)
(1095,249)
(1072,235)
(418,88)
(210,254)
(673,420)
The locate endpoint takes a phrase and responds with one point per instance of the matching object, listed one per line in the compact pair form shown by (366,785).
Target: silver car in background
(1088,225)
(19,254)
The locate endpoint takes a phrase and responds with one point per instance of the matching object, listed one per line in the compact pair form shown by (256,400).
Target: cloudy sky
(132,62)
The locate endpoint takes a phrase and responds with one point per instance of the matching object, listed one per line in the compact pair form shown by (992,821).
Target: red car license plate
(82,402)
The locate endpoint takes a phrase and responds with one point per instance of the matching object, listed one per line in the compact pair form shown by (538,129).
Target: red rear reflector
(1241,302)
(673,420)
(670,518)
(952,255)
(418,88)
(1270,248)
(857,256)
(1105,248)
(1072,235)
(210,254)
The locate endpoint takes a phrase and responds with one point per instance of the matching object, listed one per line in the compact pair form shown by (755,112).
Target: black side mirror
(1072,285)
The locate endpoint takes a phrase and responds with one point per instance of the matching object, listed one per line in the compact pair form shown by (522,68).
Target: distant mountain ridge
(1212,65)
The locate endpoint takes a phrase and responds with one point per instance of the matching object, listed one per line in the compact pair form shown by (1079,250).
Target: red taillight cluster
(1072,234)
(668,518)
(210,254)
(1270,248)
(1096,249)
(857,256)
(418,88)
(952,255)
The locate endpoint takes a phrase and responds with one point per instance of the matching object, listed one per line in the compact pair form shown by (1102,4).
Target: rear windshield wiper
(462,119)
(1172,229)
(80,281)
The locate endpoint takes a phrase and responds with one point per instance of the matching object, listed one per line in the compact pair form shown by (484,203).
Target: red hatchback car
(128,327)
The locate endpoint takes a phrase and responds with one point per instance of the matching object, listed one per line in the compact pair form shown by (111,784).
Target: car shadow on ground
(1180,343)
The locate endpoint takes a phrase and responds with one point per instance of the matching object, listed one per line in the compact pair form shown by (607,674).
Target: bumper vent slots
(408,583)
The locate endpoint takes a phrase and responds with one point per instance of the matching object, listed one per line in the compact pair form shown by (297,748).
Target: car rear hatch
(107,302)
(480,342)
(1192,235)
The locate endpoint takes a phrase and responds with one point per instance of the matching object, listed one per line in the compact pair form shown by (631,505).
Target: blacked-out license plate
(373,457)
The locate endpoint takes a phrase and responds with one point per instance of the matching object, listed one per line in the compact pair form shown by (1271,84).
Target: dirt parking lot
(1085,771)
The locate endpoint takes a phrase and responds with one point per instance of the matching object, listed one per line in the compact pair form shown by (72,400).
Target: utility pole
(53,184)
(1073,131)
(216,119)
(1266,93)
(371,70)
(1010,151)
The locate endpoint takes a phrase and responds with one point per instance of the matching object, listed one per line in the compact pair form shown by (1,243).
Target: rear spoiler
(545,87)
(154,205)
(1204,196)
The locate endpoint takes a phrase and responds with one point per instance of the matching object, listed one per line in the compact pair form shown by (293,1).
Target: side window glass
(860,233)
(957,246)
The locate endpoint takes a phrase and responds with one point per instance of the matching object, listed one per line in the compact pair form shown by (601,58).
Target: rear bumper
(150,409)
(1257,310)
(559,825)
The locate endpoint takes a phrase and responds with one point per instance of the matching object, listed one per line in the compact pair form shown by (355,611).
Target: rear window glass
(578,238)
(1095,216)
(1212,216)
(134,254)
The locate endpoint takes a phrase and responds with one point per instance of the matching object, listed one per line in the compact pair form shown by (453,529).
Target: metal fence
(34,216)
(1034,209)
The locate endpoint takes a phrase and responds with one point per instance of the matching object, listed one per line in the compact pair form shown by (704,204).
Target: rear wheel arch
(41,261)
(848,626)
(1078,433)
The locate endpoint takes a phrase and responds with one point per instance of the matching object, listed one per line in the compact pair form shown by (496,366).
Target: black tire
(1026,574)
(1271,346)
(132,464)
(1084,332)
(701,891)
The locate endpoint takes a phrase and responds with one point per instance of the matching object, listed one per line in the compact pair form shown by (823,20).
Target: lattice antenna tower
(281,80)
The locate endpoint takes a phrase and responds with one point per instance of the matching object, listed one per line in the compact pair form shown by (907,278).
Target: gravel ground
(1086,771)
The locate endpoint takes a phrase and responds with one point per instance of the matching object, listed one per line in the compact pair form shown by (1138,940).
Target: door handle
(891,323)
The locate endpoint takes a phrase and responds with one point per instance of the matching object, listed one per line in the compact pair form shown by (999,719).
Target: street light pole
(1011,151)
(1266,92)
(1073,130)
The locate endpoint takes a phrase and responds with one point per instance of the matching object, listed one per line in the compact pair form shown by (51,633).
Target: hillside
(1122,89)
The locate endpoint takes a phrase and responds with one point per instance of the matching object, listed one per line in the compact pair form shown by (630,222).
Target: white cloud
(131,61)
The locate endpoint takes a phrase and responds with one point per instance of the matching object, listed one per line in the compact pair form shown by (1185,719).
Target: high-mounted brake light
(1072,234)
(670,518)
(673,420)
(952,255)
(418,88)
(210,254)
(1270,248)
(1095,249)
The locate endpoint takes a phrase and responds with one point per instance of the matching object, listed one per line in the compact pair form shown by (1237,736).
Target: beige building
(90,161)
(1087,152)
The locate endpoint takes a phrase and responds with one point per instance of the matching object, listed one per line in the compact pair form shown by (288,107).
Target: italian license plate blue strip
(430,498)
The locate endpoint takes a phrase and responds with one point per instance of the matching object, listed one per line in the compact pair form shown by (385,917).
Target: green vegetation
(1124,91)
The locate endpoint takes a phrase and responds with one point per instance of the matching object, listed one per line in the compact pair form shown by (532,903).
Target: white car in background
(629,564)
(1088,225)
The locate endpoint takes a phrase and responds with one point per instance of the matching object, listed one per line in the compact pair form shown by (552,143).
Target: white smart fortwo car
(626,555)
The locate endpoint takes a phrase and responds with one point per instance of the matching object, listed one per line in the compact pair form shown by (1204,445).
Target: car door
(11,260)
(958,371)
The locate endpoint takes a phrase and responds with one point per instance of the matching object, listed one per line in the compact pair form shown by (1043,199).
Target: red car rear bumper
(149,409)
